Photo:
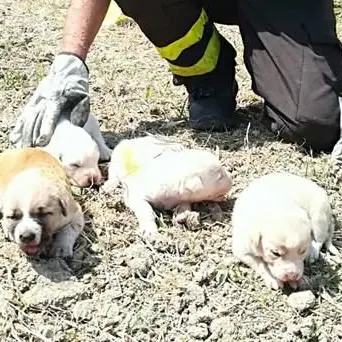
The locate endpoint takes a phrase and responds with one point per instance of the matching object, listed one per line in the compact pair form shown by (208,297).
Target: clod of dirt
(193,221)
(102,309)
(164,244)
(201,316)
(221,328)
(205,273)
(302,300)
(56,293)
(194,295)
(199,332)
(48,331)
(139,260)
(84,309)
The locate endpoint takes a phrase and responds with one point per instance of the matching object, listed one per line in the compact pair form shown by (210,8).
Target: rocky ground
(186,286)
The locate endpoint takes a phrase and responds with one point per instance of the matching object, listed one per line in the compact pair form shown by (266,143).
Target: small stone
(205,273)
(201,316)
(47,331)
(139,260)
(183,247)
(220,327)
(199,332)
(84,309)
(178,304)
(140,266)
(87,278)
(302,300)
(193,221)
(197,251)
(338,330)
(195,294)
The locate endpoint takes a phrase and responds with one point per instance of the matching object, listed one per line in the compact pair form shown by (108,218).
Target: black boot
(212,97)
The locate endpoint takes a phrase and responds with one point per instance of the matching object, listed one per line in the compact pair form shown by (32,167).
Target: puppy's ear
(256,240)
(1,214)
(63,207)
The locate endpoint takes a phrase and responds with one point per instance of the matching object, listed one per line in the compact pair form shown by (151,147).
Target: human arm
(65,90)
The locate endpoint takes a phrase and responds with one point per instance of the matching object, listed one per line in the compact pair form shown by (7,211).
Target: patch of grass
(189,271)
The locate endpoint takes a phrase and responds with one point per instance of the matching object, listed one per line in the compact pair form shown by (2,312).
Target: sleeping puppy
(278,221)
(158,173)
(38,210)
(79,150)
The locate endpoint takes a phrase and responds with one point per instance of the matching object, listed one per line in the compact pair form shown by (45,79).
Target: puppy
(278,221)
(79,150)
(157,172)
(38,210)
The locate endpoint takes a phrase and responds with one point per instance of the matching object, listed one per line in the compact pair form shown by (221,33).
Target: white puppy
(37,207)
(79,150)
(156,172)
(278,221)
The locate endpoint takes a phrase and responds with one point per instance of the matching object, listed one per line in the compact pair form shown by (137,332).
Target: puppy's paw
(272,282)
(105,153)
(148,230)
(315,249)
(60,250)
(180,215)
(296,284)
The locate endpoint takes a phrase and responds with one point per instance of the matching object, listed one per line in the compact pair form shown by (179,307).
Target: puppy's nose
(27,237)
(94,180)
(292,276)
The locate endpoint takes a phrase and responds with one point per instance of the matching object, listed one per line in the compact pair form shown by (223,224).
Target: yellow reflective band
(194,35)
(130,165)
(206,64)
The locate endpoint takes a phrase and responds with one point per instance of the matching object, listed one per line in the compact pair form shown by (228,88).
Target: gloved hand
(64,90)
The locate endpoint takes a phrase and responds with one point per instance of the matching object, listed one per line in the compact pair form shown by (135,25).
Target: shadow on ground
(248,129)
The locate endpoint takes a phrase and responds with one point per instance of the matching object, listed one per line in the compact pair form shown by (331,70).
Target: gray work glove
(64,90)
(337,150)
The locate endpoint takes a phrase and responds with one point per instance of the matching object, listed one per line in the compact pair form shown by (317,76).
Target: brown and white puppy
(278,221)
(38,210)
(160,173)
(79,149)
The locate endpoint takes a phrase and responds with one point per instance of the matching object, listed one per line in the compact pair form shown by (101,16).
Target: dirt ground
(186,286)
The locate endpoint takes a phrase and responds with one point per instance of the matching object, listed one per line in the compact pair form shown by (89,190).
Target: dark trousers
(290,50)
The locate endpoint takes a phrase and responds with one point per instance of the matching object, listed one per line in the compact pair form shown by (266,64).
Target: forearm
(83,21)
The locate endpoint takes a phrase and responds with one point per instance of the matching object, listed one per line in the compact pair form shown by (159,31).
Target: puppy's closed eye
(41,213)
(15,215)
(75,165)
(302,251)
(276,254)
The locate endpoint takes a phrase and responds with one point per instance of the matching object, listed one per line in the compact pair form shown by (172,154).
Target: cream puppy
(278,221)
(37,207)
(79,150)
(157,172)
